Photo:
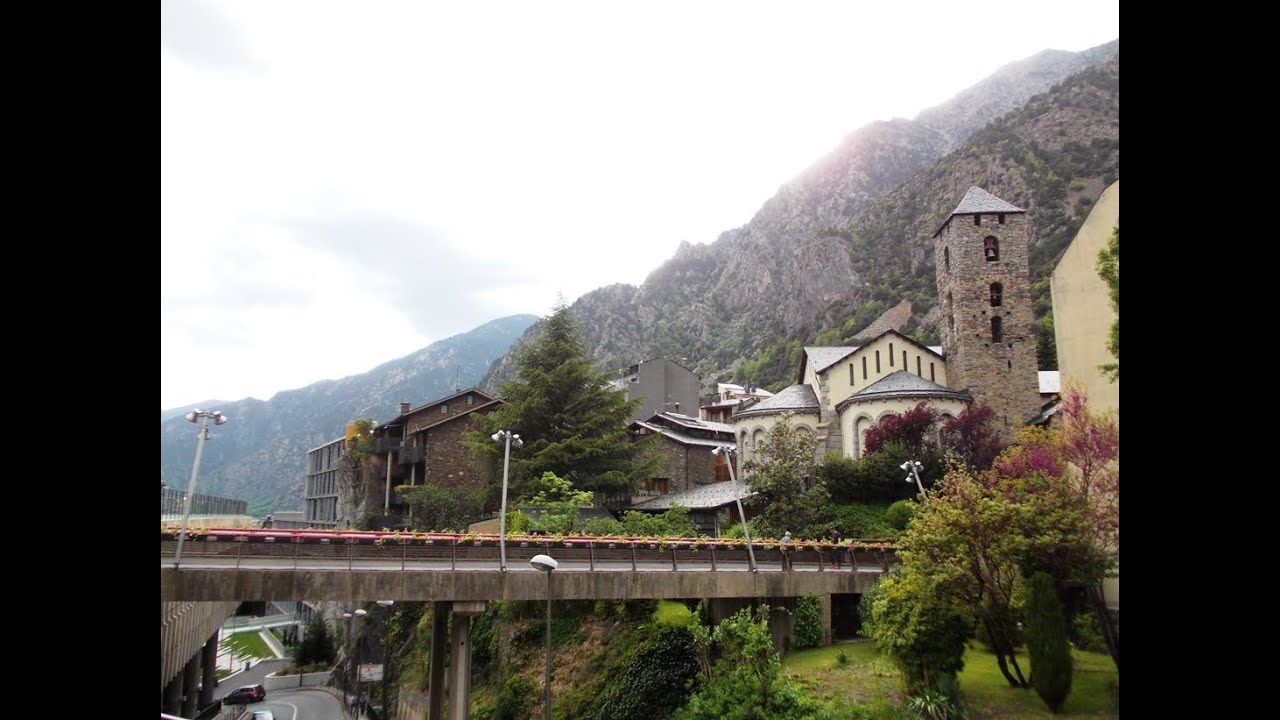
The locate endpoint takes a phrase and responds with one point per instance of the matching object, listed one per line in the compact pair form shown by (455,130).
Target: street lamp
(345,704)
(359,612)
(202,417)
(546,563)
(730,452)
(510,439)
(915,467)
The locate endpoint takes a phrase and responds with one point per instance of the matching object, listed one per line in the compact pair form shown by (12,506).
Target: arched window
(991,248)
(997,294)
(951,311)
(946,258)
(997,331)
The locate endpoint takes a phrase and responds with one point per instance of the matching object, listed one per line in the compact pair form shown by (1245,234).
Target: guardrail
(464,550)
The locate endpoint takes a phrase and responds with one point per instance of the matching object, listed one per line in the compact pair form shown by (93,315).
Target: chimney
(404,408)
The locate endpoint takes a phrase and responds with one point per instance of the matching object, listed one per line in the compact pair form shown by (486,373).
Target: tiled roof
(978,200)
(797,398)
(695,423)
(822,358)
(902,384)
(688,439)
(703,497)
(1050,382)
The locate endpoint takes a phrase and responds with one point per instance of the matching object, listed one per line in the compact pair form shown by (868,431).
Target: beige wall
(837,376)
(860,416)
(1082,314)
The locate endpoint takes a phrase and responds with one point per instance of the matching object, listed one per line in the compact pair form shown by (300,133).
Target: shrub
(842,658)
(899,514)
(1084,628)
(513,699)
(1047,645)
(808,622)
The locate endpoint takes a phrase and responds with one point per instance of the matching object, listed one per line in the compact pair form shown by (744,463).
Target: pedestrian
(786,547)
(834,537)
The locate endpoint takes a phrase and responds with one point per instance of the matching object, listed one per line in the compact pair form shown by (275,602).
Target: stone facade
(988,332)
(448,461)
(683,466)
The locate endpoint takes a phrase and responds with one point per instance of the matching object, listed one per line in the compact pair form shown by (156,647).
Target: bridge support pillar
(824,616)
(209,669)
(439,636)
(460,671)
(190,674)
(171,701)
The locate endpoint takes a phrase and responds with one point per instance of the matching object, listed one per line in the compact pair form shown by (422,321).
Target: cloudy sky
(342,183)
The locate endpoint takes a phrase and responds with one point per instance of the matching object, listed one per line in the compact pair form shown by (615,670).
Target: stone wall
(448,460)
(1000,374)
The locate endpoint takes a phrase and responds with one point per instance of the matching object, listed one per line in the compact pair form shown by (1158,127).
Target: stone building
(988,353)
(683,448)
(982,269)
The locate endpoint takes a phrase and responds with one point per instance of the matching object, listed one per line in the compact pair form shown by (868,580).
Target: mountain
(259,455)
(845,241)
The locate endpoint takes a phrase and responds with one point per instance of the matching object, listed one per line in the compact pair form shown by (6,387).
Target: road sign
(371,672)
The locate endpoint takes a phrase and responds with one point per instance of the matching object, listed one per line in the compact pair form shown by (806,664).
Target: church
(988,351)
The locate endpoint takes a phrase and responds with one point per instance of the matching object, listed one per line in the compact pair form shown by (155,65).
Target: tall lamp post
(914,466)
(510,439)
(346,676)
(546,563)
(202,417)
(386,652)
(730,452)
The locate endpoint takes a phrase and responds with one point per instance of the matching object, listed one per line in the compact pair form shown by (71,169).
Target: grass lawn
(249,644)
(671,612)
(870,679)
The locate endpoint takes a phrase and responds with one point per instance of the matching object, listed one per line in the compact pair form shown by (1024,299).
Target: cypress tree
(1047,642)
(572,422)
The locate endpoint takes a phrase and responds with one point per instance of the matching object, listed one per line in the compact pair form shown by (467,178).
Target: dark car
(246,694)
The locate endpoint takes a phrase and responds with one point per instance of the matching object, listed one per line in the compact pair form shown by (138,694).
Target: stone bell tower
(988,330)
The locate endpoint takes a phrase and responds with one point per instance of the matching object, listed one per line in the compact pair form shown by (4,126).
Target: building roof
(822,358)
(977,200)
(797,398)
(692,422)
(902,384)
(703,497)
(686,439)
(1050,382)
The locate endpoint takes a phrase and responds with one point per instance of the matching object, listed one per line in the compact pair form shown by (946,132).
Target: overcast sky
(342,183)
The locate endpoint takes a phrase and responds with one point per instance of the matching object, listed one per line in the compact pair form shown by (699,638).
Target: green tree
(559,502)
(572,423)
(443,507)
(788,493)
(745,680)
(918,627)
(1047,642)
(1109,270)
(317,644)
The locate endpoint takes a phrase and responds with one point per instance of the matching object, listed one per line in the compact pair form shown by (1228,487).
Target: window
(891,355)
(931,377)
(471,400)
(1000,218)
(918,366)
(946,258)
(991,248)
(997,294)
(977,218)
(656,486)
(851,374)
(864,367)
(444,409)
(997,332)
(904,361)
(877,362)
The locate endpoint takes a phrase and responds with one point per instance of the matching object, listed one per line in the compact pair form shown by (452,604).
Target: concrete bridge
(461,573)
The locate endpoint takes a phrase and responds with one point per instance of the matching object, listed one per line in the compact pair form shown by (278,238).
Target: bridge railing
(459,551)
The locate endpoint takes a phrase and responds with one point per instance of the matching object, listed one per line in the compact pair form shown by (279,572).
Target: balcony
(383,444)
(411,454)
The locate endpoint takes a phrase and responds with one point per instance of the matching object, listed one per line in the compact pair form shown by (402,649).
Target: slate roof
(686,439)
(797,398)
(976,201)
(822,358)
(694,423)
(902,384)
(703,497)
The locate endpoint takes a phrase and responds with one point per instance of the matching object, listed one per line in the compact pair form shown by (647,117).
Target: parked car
(263,715)
(246,694)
